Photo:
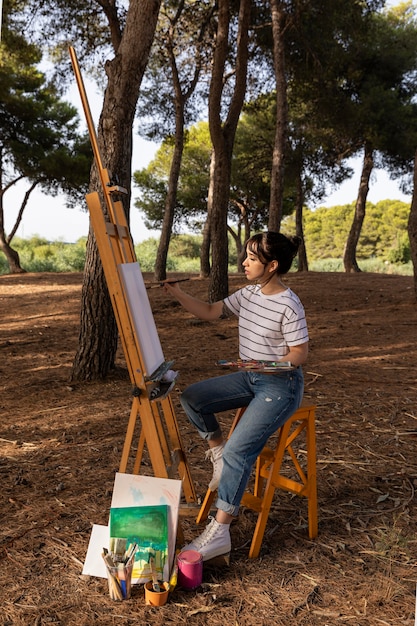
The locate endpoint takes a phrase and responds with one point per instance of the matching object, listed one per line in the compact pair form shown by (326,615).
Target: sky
(49,218)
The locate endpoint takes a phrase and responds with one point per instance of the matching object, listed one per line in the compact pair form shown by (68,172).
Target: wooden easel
(159,428)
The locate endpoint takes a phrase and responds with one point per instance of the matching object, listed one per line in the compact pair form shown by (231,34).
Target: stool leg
(261,522)
(206,506)
(312,477)
(269,491)
(259,480)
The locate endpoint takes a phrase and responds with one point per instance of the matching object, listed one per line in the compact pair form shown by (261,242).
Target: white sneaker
(213,541)
(215,455)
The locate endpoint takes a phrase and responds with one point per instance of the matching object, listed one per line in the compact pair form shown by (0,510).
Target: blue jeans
(270,399)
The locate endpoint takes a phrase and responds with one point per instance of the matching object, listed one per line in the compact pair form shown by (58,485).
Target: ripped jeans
(270,399)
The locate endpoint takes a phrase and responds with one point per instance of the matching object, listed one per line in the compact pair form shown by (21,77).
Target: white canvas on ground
(94,564)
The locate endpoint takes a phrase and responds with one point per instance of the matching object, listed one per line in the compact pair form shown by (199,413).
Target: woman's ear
(273,266)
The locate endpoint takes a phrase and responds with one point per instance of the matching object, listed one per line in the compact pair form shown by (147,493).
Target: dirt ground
(61,446)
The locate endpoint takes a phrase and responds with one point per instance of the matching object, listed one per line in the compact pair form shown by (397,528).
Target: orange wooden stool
(268,476)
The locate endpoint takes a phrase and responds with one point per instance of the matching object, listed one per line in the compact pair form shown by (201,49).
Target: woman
(272,327)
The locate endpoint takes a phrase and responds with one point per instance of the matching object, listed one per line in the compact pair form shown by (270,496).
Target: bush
(38,255)
(401,253)
(146,254)
(188,246)
(183,255)
(326,265)
(71,257)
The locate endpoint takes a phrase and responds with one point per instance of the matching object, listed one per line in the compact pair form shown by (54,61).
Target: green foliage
(326,265)
(39,137)
(4,267)
(71,257)
(401,252)
(39,255)
(185,264)
(146,254)
(188,246)
(384,233)
(383,246)
(377,266)
(183,256)
(152,181)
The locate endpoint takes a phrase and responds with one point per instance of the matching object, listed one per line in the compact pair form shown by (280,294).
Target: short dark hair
(272,246)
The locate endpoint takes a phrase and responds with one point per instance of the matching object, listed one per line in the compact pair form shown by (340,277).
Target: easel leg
(128,439)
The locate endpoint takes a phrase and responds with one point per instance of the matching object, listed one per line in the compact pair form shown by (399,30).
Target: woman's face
(254,269)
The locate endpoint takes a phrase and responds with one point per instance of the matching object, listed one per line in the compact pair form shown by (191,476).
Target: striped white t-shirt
(268,324)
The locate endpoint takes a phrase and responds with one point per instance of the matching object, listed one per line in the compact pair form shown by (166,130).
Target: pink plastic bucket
(190,569)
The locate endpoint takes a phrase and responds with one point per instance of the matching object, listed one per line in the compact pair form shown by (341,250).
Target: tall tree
(131,39)
(191,198)
(181,52)
(222,136)
(39,141)
(118,34)
(308,42)
(383,93)
(412,226)
(249,194)
(278,13)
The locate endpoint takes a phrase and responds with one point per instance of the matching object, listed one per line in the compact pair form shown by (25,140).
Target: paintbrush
(155,584)
(161,283)
(117,547)
(115,590)
(129,552)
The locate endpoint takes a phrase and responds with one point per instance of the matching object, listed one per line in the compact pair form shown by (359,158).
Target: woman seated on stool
(272,327)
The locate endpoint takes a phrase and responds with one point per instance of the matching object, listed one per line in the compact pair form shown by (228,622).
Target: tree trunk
(240,257)
(98,328)
(278,155)
(349,256)
(299,204)
(160,271)
(98,333)
(205,251)
(237,235)
(12,257)
(180,98)
(205,264)
(219,285)
(222,136)
(412,226)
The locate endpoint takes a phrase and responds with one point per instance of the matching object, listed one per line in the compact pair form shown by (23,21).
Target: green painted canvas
(147,526)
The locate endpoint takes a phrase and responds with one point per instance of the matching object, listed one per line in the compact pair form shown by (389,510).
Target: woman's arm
(199,308)
(297,354)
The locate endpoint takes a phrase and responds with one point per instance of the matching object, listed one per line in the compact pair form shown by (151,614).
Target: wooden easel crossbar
(158,425)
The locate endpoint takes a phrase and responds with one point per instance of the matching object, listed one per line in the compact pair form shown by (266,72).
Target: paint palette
(263,366)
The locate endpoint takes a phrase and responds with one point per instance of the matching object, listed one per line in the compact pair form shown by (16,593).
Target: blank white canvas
(142,316)
(94,564)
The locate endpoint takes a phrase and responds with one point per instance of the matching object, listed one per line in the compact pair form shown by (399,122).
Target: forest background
(384,245)
(290,92)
